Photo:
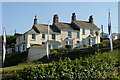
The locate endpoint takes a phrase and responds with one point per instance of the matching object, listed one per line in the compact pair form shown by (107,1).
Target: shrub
(37,45)
(100,45)
(116,42)
(53,51)
(15,58)
(93,67)
(106,42)
(68,46)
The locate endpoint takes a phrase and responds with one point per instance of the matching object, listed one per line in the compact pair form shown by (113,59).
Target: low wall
(36,53)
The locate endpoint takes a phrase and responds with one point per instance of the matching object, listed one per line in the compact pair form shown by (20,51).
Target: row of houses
(114,35)
(76,33)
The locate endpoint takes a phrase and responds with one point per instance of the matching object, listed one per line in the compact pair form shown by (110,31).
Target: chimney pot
(55,18)
(73,17)
(91,19)
(35,20)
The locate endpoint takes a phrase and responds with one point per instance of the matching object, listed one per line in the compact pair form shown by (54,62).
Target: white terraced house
(76,33)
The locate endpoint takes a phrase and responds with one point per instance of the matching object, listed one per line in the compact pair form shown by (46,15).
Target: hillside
(66,64)
(61,53)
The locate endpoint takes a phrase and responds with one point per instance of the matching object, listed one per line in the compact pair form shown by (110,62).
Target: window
(23,47)
(71,43)
(54,46)
(18,48)
(83,41)
(83,31)
(78,35)
(67,42)
(93,41)
(89,42)
(24,37)
(19,39)
(53,36)
(91,31)
(43,36)
(33,36)
(69,33)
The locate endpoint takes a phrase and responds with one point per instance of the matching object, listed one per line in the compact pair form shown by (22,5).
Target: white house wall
(59,37)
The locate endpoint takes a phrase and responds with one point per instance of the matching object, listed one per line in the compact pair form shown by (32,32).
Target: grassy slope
(19,67)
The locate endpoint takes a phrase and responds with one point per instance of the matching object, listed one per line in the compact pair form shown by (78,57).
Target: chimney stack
(91,19)
(35,20)
(73,17)
(55,18)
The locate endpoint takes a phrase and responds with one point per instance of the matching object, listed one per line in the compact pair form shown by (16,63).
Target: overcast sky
(20,15)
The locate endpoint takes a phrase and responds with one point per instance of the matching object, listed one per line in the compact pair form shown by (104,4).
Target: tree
(11,41)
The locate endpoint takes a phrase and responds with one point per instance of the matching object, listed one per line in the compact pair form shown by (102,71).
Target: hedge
(99,66)
(15,58)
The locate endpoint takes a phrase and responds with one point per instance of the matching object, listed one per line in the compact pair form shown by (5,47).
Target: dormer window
(43,36)
(24,37)
(83,31)
(33,36)
(83,41)
(78,35)
(91,31)
(53,36)
(69,34)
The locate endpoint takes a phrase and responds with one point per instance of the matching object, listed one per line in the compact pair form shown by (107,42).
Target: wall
(39,39)
(64,35)
(87,33)
(36,53)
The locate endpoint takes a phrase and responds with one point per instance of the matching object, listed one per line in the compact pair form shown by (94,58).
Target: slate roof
(41,28)
(64,26)
(31,31)
(57,27)
(84,24)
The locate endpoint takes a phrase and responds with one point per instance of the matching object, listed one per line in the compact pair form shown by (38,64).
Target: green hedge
(99,66)
(68,46)
(62,53)
(15,58)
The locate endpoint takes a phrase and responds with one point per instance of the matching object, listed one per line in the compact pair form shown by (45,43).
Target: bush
(93,67)
(15,58)
(116,42)
(53,51)
(100,45)
(37,45)
(68,46)
(106,42)
(11,41)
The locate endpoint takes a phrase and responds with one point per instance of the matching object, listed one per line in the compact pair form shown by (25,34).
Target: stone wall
(36,53)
